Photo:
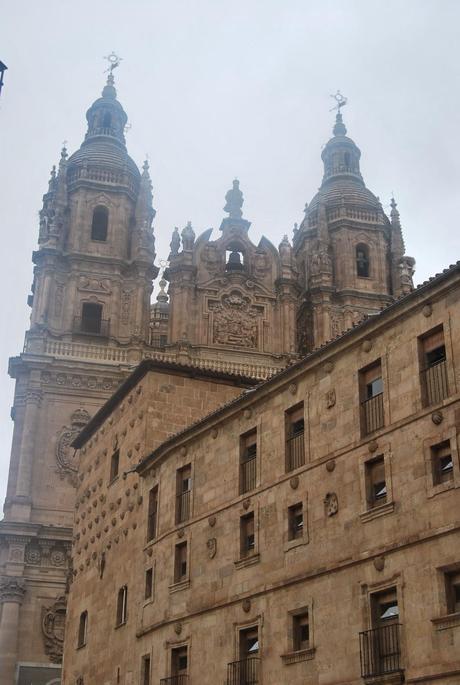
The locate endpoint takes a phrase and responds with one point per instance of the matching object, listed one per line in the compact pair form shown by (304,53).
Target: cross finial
(113,60)
(340,101)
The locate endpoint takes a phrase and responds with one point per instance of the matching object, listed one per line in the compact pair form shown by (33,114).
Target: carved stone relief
(58,299)
(212,547)
(94,285)
(65,454)
(235,321)
(125,305)
(53,624)
(211,258)
(12,589)
(331,504)
(70,380)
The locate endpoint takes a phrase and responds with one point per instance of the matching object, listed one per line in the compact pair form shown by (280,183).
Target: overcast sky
(216,89)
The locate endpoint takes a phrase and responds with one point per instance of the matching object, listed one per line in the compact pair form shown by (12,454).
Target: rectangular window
(442,463)
(82,629)
(179,662)
(148,593)
(295,521)
(122,605)
(114,465)
(145,670)
(376,486)
(249,643)
(453,591)
(384,607)
(152,513)
(300,631)
(248,461)
(183,493)
(91,318)
(432,353)
(295,442)
(247,535)
(180,562)
(371,396)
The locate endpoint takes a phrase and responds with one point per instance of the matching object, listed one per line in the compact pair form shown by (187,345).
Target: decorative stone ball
(330,465)
(372,446)
(427,310)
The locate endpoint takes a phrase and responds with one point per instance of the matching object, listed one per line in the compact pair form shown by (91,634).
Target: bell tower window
(107,120)
(91,318)
(234,258)
(362,261)
(100,224)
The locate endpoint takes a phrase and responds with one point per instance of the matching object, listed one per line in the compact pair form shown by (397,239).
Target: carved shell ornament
(65,454)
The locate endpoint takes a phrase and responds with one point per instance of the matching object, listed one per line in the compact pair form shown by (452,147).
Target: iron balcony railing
(183,506)
(244,672)
(99,327)
(248,474)
(434,379)
(175,680)
(373,416)
(296,451)
(380,651)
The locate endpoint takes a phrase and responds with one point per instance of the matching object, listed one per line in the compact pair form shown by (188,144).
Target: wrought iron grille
(373,416)
(296,451)
(248,474)
(434,379)
(175,680)
(244,672)
(380,650)
(183,506)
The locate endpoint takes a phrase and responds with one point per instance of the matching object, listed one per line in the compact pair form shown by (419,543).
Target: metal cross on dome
(113,60)
(340,100)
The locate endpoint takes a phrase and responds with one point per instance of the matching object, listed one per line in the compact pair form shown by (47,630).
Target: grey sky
(216,89)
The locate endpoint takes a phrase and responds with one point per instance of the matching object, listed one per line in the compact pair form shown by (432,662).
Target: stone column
(12,592)
(27,449)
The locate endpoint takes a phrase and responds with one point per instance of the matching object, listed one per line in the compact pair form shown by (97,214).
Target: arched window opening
(122,605)
(91,318)
(362,261)
(347,160)
(100,224)
(107,120)
(234,258)
(82,629)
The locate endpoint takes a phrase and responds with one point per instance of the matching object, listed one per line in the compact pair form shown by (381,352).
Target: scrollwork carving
(53,625)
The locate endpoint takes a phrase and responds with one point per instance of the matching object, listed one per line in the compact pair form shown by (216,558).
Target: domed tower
(349,254)
(90,321)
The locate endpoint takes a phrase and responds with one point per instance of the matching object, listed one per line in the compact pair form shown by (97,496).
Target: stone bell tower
(90,316)
(350,255)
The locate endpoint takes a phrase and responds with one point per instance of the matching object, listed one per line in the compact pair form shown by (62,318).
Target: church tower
(350,255)
(90,309)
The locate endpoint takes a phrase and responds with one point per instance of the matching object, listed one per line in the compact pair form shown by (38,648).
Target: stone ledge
(387,679)
(447,621)
(300,655)
(375,512)
(247,561)
(177,587)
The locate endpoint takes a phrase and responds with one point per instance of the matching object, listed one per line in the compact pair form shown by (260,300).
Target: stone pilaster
(12,591)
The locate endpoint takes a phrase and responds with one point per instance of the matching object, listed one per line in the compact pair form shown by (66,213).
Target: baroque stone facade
(234,312)
(285,537)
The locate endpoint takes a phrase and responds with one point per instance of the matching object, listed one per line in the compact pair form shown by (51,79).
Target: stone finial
(162,296)
(175,242)
(285,246)
(188,236)
(339,127)
(234,201)
(394,214)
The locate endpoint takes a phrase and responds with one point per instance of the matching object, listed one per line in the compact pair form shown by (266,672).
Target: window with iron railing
(380,647)
(295,441)
(179,667)
(442,463)
(183,493)
(247,535)
(433,375)
(245,671)
(152,513)
(300,631)
(248,461)
(371,395)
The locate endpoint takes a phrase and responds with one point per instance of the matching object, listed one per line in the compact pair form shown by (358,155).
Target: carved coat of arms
(65,455)
(53,624)
(235,321)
